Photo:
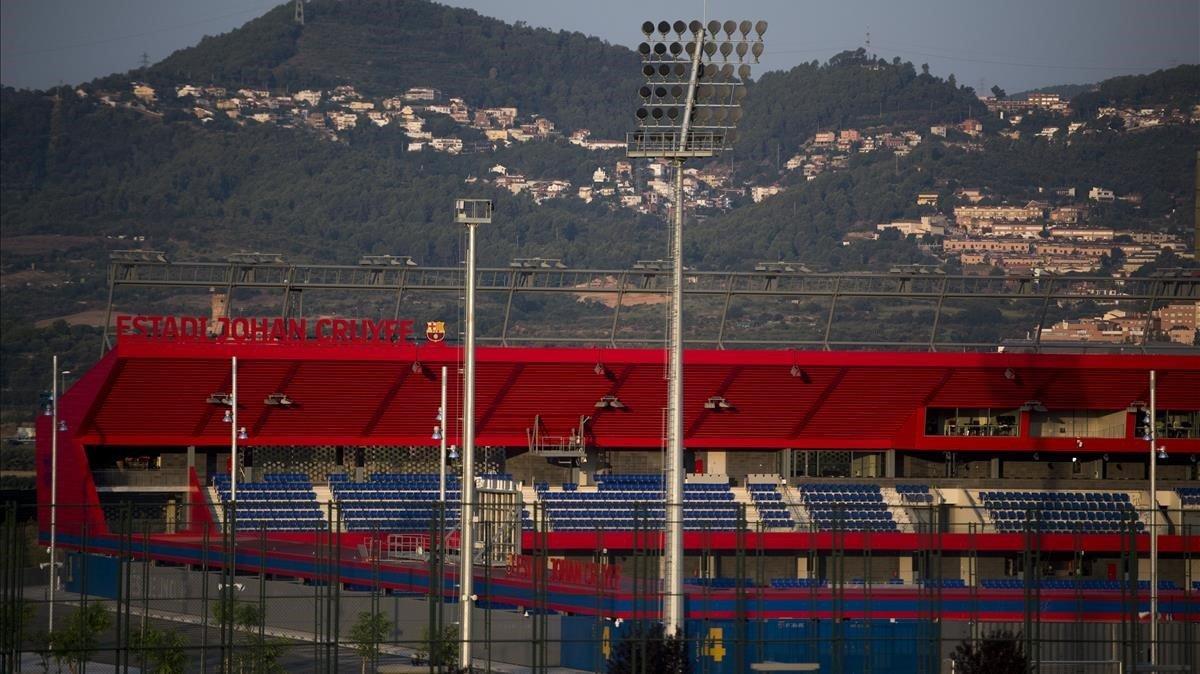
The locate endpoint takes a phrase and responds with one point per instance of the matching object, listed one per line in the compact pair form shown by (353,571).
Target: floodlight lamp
(437,432)
(695,27)
(729,27)
(453,453)
(664,27)
(726,49)
(680,27)
(760,28)
(242,434)
(741,49)
(228,418)
(48,410)
(756,50)
(744,28)
(1162,453)
(62,426)
(440,416)
(599,369)
(647,28)
(417,368)
(660,48)
(714,27)
(710,48)
(644,49)
(743,75)
(675,48)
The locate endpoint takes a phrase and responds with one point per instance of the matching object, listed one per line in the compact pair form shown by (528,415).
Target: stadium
(846,507)
(350,468)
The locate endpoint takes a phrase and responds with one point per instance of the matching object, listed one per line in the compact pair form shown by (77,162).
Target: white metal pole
(673,611)
(673,618)
(53,490)
(466,536)
(444,421)
(1153,432)
(233,434)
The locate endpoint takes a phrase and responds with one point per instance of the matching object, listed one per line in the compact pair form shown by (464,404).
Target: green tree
(998,93)
(998,653)
(79,637)
(257,653)
(367,633)
(162,652)
(649,649)
(439,649)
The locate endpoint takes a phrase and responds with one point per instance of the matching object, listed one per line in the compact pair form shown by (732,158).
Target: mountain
(1177,87)
(852,90)
(387,46)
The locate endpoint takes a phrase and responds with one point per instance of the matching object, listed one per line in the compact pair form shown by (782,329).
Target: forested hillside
(849,91)
(386,46)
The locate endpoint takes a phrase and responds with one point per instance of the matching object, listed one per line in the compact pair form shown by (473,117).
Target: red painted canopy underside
(151,393)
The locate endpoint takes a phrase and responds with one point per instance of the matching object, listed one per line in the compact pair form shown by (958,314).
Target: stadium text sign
(250,329)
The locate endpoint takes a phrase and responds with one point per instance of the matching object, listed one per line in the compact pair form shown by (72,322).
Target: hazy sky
(1017,44)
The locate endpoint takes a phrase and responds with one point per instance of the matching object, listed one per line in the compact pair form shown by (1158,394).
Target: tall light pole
(53,491)
(442,433)
(1152,434)
(472,213)
(691,103)
(233,433)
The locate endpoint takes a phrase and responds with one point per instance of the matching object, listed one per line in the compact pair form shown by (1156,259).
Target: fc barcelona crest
(435,331)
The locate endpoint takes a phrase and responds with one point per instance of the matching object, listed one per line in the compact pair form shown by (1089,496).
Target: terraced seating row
(626,501)
(719,583)
(852,507)
(396,502)
(772,511)
(1070,584)
(798,583)
(282,502)
(1060,512)
(914,493)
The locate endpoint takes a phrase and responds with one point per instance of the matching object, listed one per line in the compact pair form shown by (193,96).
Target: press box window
(971,421)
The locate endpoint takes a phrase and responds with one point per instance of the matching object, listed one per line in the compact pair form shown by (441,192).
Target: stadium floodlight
(610,402)
(472,213)
(387,261)
(1033,406)
(717,403)
(691,102)
(782,267)
(278,400)
(138,255)
(256,258)
(228,418)
(537,263)
(242,434)
(218,398)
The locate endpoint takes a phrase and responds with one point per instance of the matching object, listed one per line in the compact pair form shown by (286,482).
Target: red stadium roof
(153,393)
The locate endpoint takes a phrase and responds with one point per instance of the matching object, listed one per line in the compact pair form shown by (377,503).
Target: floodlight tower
(691,104)
(472,213)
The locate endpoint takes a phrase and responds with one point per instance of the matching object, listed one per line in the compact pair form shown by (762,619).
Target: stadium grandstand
(846,508)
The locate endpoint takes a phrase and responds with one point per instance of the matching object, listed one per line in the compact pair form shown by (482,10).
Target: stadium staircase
(325,500)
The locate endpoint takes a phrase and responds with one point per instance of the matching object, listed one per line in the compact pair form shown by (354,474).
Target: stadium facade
(857,510)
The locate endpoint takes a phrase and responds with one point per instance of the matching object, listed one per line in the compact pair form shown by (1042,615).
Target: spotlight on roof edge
(137,255)
(537,263)
(256,258)
(387,261)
